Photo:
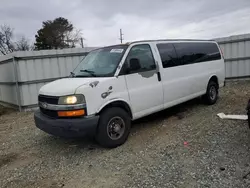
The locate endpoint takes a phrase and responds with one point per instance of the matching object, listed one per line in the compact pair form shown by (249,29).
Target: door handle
(159,76)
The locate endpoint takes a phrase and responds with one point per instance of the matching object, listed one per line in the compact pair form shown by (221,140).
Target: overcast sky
(100,20)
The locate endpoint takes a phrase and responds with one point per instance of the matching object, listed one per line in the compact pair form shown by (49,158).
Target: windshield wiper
(72,75)
(92,73)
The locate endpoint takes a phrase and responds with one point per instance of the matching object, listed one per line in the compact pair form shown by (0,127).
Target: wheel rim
(212,93)
(116,128)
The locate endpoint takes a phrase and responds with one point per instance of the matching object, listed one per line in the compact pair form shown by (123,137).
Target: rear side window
(168,55)
(189,53)
(176,54)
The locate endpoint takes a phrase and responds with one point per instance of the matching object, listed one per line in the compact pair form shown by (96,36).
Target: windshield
(101,62)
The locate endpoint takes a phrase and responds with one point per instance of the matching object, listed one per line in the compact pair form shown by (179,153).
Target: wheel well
(214,79)
(120,104)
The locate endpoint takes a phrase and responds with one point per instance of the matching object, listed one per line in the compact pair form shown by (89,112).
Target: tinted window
(168,55)
(196,52)
(144,54)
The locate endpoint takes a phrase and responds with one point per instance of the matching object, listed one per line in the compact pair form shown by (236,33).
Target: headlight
(72,99)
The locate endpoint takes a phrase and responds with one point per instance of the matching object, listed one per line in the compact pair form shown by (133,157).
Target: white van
(117,84)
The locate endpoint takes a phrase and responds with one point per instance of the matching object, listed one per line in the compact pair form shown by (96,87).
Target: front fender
(114,100)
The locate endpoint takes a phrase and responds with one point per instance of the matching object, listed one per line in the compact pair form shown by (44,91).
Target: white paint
(237,117)
(144,95)
(66,86)
(182,83)
(93,97)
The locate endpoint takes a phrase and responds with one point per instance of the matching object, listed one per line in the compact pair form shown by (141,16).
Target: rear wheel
(113,128)
(211,95)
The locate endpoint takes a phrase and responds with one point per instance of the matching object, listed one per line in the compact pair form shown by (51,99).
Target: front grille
(48,99)
(50,113)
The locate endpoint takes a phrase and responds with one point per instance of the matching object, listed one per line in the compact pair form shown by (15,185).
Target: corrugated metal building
(22,74)
(236,50)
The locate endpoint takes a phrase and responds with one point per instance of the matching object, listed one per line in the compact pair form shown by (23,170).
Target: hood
(66,86)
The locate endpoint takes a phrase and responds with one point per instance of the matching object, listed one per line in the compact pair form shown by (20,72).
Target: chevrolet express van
(115,85)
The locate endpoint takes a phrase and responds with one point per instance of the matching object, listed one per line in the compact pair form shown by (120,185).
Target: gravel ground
(185,146)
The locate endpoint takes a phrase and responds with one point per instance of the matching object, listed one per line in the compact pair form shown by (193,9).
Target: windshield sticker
(116,51)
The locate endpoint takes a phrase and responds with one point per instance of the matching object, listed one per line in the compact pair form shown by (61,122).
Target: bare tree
(6,36)
(74,37)
(22,44)
(7,44)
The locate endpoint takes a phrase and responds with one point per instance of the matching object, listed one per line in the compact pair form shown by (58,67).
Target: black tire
(248,112)
(106,134)
(211,95)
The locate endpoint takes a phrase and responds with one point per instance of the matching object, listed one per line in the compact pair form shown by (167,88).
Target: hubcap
(212,93)
(116,128)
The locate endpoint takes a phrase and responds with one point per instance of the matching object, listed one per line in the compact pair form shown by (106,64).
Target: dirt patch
(5,110)
(6,159)
(16,160)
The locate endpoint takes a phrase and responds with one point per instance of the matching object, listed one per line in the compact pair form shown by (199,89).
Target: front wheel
(113,127)
(211,95)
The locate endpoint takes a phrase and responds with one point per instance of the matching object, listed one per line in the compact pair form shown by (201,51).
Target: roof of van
(167,40)
(158,40)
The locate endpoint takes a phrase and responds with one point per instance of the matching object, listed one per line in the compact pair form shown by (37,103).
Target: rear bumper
(66,127)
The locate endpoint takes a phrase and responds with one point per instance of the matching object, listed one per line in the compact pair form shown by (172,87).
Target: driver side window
(142,55)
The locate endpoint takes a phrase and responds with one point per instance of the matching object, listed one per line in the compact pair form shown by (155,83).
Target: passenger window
(140,59)
(168,55)
(195,52)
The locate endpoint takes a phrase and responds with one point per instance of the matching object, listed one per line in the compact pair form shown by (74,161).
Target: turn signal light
(71,113)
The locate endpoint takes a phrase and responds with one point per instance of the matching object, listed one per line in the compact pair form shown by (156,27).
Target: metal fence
(236,51)
(22,74)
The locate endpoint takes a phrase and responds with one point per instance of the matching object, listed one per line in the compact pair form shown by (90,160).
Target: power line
(121,36)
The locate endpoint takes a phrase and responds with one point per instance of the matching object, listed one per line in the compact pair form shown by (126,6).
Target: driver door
(143,81)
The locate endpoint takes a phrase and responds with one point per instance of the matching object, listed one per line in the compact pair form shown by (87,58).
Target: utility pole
(121,36)
(82,42)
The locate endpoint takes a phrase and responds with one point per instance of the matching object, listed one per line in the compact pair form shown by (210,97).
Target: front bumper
(75,127)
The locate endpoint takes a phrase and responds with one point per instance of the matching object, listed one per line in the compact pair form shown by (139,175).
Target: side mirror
(134,65)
